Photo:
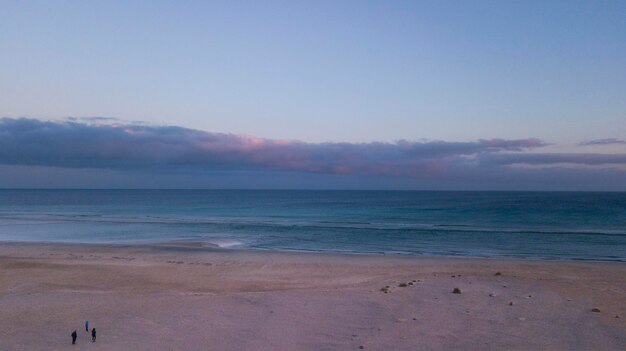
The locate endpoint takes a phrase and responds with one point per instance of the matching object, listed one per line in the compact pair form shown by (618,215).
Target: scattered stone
(511,303)
(596,310)
(453,276)
(403,285)
(385,289)
(616,316)
(504,286)
(491,295)
(416,318)
(400,320)
(414,281)
(411,283)
(361,347)
(498,273)
(456,291)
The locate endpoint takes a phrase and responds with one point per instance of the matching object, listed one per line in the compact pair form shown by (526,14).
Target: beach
(195,297)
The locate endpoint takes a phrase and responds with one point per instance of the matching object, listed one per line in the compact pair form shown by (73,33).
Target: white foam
(225,242)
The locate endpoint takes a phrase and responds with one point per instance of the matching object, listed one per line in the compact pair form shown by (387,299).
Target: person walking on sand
(86,326)
(93,335)
(74,337)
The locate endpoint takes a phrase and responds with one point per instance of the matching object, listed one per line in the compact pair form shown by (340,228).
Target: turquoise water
(482,224)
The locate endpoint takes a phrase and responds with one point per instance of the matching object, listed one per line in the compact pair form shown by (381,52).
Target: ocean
(538,225)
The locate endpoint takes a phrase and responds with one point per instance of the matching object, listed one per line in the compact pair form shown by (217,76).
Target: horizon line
(328,190)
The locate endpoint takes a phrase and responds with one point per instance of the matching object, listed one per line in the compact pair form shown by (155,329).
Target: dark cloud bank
(104,152)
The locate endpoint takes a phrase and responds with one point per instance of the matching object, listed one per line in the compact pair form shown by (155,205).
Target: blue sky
(322,72)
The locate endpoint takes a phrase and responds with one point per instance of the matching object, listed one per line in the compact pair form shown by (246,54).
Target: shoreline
(162,297)
(209,246)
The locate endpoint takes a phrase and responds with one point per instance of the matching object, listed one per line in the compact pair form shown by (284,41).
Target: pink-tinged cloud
(107,143)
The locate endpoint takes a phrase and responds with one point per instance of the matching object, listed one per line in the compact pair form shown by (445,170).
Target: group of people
(93,333)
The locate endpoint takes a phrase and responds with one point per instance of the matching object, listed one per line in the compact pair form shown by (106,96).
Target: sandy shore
(189,297)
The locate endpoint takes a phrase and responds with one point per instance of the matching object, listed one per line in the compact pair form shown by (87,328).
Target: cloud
(114,145)
(94,119)
(117,145)
(551,159)
(608,141)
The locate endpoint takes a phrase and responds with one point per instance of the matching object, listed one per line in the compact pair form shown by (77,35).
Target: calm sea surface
(482,224)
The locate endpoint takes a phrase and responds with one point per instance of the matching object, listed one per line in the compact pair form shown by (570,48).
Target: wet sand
(193,297)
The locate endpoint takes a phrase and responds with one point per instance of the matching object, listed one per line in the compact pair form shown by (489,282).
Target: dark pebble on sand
(456,291)
(596,310)
(498,273)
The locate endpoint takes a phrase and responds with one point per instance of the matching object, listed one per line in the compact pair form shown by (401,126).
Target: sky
(425,95)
